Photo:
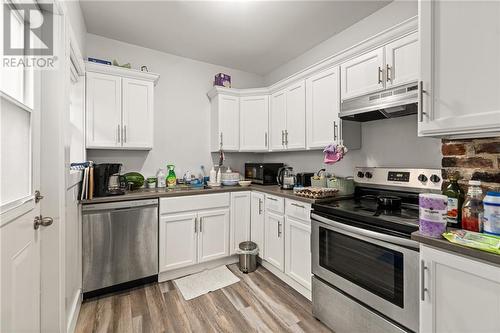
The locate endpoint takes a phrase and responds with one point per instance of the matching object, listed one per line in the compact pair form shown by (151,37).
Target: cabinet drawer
(193,202)
(275,204)
(298,209)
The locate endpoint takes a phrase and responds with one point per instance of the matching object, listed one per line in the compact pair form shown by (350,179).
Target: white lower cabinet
(213,228)
(178,240)
(298,250)
(257,217)
(458,294)
(274,251)
(240,219)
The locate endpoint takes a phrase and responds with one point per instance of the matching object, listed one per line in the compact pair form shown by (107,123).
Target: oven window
(372,267)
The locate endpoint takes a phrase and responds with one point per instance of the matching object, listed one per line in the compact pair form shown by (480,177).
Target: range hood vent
(390,103)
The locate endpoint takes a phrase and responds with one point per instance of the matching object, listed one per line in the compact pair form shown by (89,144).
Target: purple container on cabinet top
(222,80)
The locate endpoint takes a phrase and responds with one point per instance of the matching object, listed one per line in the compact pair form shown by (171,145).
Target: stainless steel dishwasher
(120,245)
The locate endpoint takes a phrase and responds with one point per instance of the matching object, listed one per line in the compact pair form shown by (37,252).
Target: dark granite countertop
(464,251)
(144,193)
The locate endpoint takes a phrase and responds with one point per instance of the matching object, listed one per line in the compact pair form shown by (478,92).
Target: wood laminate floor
(260,302)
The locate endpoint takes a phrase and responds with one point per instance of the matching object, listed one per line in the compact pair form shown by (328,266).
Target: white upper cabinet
(119,108)
(138,117)
(254,123)
(104,110)
(287,118)
(402,61)
(295,131)
(225,123)
(322,108)
(363,74)
(460,68)
(277,121)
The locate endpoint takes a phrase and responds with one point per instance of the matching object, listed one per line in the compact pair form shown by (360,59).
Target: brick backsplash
(477,159)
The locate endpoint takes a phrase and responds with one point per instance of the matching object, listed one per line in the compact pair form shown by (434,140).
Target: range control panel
(413,178)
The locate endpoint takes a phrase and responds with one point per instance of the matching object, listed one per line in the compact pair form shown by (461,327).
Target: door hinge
(38,196)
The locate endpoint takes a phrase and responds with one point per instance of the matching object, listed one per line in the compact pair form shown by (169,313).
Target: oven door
(379,270)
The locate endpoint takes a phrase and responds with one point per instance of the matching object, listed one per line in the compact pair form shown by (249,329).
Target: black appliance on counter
(304,178)
(107,180)
(262,173)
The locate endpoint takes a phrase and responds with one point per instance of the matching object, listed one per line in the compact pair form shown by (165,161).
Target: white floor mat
(198,284)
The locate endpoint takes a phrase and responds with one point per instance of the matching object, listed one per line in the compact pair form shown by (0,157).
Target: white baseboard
(288,280)
(74,311)
(180,272)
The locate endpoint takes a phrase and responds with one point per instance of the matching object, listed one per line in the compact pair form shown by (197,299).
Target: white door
(443,309)
(138,117)
(240,219)
(257,221)
(363,74)
(298,251)
(229,123)
(274,251)
(402,61)
(213,234)
(277,121)
(322,108)
(254,123)
(295,131)
(104,111)
(177,239)
(461,84)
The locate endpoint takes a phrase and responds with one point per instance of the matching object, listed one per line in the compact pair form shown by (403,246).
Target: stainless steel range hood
(390,103)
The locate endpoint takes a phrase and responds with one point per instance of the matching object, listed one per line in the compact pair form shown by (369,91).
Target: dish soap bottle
(455,202)
(472,211)
(171,177)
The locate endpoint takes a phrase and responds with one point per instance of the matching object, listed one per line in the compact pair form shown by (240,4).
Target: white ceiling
(254,36)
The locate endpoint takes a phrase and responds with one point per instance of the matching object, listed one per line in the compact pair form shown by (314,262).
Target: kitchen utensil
(286,178)
(245,183)
(389,201)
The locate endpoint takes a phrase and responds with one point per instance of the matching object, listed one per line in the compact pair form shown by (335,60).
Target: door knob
(42,221)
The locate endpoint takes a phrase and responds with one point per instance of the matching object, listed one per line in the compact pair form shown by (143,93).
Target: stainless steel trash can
(248,256)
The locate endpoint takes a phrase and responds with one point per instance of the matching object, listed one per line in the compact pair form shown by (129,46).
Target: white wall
(77,23)
(384,18)
(181,132)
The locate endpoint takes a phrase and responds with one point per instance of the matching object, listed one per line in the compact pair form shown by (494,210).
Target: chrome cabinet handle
(286,137)
(279,229)
(195,225)
(388,73)
(221,140)
(297,205)
(124,133)
(201,223)
(273,199)
(380,74)
(118,135)
(265,139)
(335,130)
(423,289)
(42,221)
(282,137)
(421,93)
(260,207)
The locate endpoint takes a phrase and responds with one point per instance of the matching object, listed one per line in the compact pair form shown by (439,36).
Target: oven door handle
(367,233)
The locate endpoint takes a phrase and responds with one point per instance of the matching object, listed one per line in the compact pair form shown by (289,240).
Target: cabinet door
(461,84)
(229,123)
(257,220)
(295,131)
(298,251)
(138,109)
(402,61)
(362,75)
(177,241)
(254,121)
(322,108)
(103,111)
(462,295)
(213,234)
(274,251)
(277,121)
(240,219)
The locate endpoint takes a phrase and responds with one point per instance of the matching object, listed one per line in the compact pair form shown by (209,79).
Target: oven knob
(435,178)
(422,178)
(368,175)
(360,174)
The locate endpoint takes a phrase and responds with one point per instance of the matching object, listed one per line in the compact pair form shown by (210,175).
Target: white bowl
(245,183)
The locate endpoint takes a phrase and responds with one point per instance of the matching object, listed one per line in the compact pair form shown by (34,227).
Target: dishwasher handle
(120,205)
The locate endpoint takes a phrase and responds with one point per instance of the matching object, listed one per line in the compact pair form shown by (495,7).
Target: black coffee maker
(107,180)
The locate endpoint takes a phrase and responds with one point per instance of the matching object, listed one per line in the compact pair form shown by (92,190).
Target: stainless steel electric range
(365,266)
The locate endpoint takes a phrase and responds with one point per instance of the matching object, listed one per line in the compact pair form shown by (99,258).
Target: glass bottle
(171,177)
(472,210)
(455,201)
